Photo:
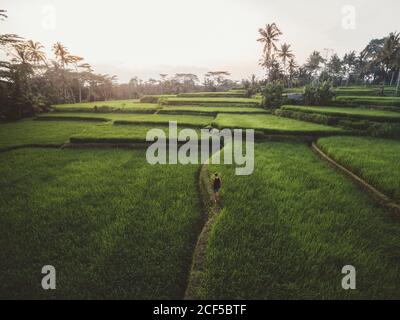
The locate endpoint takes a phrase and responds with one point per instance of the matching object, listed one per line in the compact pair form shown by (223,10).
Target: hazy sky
(148,37)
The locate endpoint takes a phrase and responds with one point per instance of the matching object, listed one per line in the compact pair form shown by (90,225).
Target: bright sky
(148,37)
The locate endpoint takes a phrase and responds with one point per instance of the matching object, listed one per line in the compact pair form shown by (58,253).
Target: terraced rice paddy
(200,121)
(369,101)
(214,102)
(356,113)
(117,227)
(375,160)
(29,132)
(210,110)
(273,125)
(104,106)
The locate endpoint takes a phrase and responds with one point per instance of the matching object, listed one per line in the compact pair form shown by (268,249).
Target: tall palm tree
(75,60)
(387,55)
(285,54)
(21,53)
(313,62)
(269,36)
(62,54)
(7,39)
(292,67)
(36,53)
(349,62)
(397,65)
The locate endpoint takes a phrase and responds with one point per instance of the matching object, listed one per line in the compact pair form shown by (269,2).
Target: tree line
(377,64)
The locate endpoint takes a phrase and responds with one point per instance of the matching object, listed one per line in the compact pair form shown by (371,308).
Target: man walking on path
(216,187)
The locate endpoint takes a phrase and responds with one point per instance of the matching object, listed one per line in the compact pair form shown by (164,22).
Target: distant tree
(349,63)
(35,52)
(285,54)
(292,70)
(387,54)
(216,80)
(335,69)
(313,64)
(269,37)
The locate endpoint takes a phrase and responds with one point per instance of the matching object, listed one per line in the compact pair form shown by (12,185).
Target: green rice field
(375,160)
(286,231)
(273,124)
(92,215)
(357,113)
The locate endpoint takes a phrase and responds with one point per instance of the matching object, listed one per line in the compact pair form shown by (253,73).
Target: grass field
(287,231)
(112,225)
(36,132)
(273,124)
(357,113)
(103,106)
(370,101)
(200,121)
(375,160)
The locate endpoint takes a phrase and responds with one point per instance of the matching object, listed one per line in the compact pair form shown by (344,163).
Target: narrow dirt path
(377,195)
(211,211)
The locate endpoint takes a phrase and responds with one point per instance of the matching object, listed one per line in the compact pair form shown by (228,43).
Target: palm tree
(62,54)
(313,62)
(85,75)
(292,67)
(397,65)
(20,53)
(285,53)
(387,55)
(75,60)
(269,36)
(36,53)
(349,62)
(7,39)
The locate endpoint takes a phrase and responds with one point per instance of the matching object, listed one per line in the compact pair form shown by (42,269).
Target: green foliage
(318,94)
(272,95)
